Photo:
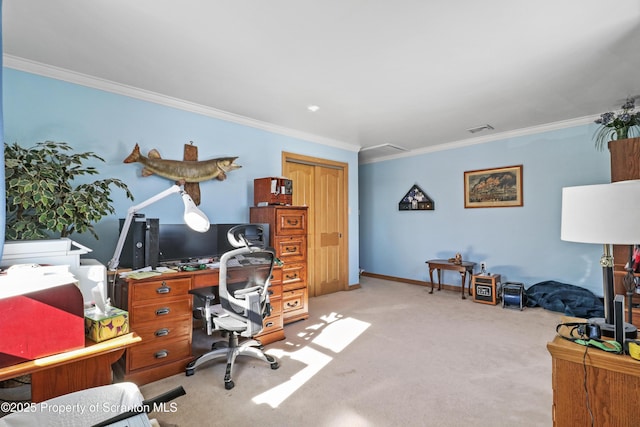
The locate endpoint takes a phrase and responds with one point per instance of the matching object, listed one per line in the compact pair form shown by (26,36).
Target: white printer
(64,251)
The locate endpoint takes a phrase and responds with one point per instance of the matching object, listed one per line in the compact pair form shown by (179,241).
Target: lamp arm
(115,260)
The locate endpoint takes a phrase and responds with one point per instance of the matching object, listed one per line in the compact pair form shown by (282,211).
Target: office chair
(243,289)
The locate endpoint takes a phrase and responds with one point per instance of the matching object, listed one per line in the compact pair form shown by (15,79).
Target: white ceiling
(412,73)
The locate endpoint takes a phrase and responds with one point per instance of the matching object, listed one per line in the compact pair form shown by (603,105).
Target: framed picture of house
(493,188)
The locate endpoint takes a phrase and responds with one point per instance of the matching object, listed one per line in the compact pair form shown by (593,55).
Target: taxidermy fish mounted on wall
(183,170)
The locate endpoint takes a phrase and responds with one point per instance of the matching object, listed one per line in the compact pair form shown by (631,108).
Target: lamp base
(609,330)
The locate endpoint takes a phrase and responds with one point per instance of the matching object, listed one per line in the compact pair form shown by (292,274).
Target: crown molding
(33,67)
(489,138)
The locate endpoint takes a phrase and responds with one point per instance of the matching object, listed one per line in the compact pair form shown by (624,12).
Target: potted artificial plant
(615,126)
(43,200)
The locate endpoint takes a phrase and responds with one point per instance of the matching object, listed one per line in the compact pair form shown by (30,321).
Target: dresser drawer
(161,311)
(145,355)
(293,300)
(291,221)
(291,248)
(160,289)
(158,332)
(294,276)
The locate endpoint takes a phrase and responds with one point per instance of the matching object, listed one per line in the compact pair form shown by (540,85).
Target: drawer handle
(164,289)
(295,304)
(290,248)
(292,276)
(293,222)
(268,325)
(162,311)
(161,354)
(162,332)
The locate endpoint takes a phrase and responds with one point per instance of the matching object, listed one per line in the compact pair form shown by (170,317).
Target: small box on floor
(100,326)
(513,295)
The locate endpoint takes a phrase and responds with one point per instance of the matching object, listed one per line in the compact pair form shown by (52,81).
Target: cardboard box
(103,326)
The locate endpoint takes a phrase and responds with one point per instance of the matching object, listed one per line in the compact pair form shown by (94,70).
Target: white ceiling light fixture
(313,108)
(480,128)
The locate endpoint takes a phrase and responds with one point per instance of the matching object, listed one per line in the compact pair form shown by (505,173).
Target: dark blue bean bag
(563,298)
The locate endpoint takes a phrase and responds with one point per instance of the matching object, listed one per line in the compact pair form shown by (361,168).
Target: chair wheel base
(190,369)
(228,385)
(275,365)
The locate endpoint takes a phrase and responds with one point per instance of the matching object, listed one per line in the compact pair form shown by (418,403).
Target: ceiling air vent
(382,150)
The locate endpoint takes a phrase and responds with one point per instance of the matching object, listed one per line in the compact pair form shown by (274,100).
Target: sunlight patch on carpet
(336,335)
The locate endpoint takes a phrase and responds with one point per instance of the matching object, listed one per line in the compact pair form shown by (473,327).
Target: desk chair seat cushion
(228,323)
(83,408)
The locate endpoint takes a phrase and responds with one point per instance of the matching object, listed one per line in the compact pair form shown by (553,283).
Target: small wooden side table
(443,264)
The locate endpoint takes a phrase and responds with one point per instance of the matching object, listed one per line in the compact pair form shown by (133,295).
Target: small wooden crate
(485,289)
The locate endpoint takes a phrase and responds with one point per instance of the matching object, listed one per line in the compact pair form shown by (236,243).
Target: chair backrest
(245,277)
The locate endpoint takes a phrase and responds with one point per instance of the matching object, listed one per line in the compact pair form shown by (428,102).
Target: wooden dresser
(288,236)
(160,312)
(609,381)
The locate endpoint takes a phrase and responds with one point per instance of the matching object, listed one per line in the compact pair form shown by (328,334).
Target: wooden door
(322,186)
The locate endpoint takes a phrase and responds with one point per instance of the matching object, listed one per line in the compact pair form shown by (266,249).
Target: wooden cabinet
(625,165)
(609,382)
(160,312)
(288,236)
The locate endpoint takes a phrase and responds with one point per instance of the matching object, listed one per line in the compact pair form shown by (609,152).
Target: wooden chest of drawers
(288,236)
(160,311)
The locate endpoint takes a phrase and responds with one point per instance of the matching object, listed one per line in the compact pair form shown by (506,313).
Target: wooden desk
(160,310)
(74,370)
(609,381)
(443,264)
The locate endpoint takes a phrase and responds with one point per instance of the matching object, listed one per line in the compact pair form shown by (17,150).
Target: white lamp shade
(194,217)
(603,214)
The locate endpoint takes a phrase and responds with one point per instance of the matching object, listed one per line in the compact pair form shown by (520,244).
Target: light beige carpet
(388,354)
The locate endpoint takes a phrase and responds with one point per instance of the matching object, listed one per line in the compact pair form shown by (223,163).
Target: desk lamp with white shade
(193,217)
(605,214)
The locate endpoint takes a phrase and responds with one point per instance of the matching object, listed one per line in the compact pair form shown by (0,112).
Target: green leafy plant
(617,126)
(41,200)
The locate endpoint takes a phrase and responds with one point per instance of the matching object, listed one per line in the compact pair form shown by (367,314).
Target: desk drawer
(275,291)
(160,289)
(155,332)
(206,279)
(164,311)
(144,355)
(274,321)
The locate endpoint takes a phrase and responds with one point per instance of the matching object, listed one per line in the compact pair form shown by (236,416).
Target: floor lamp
(193,217)
(605,214)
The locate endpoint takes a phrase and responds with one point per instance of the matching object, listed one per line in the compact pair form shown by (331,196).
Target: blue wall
(520,243)
(39,108)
